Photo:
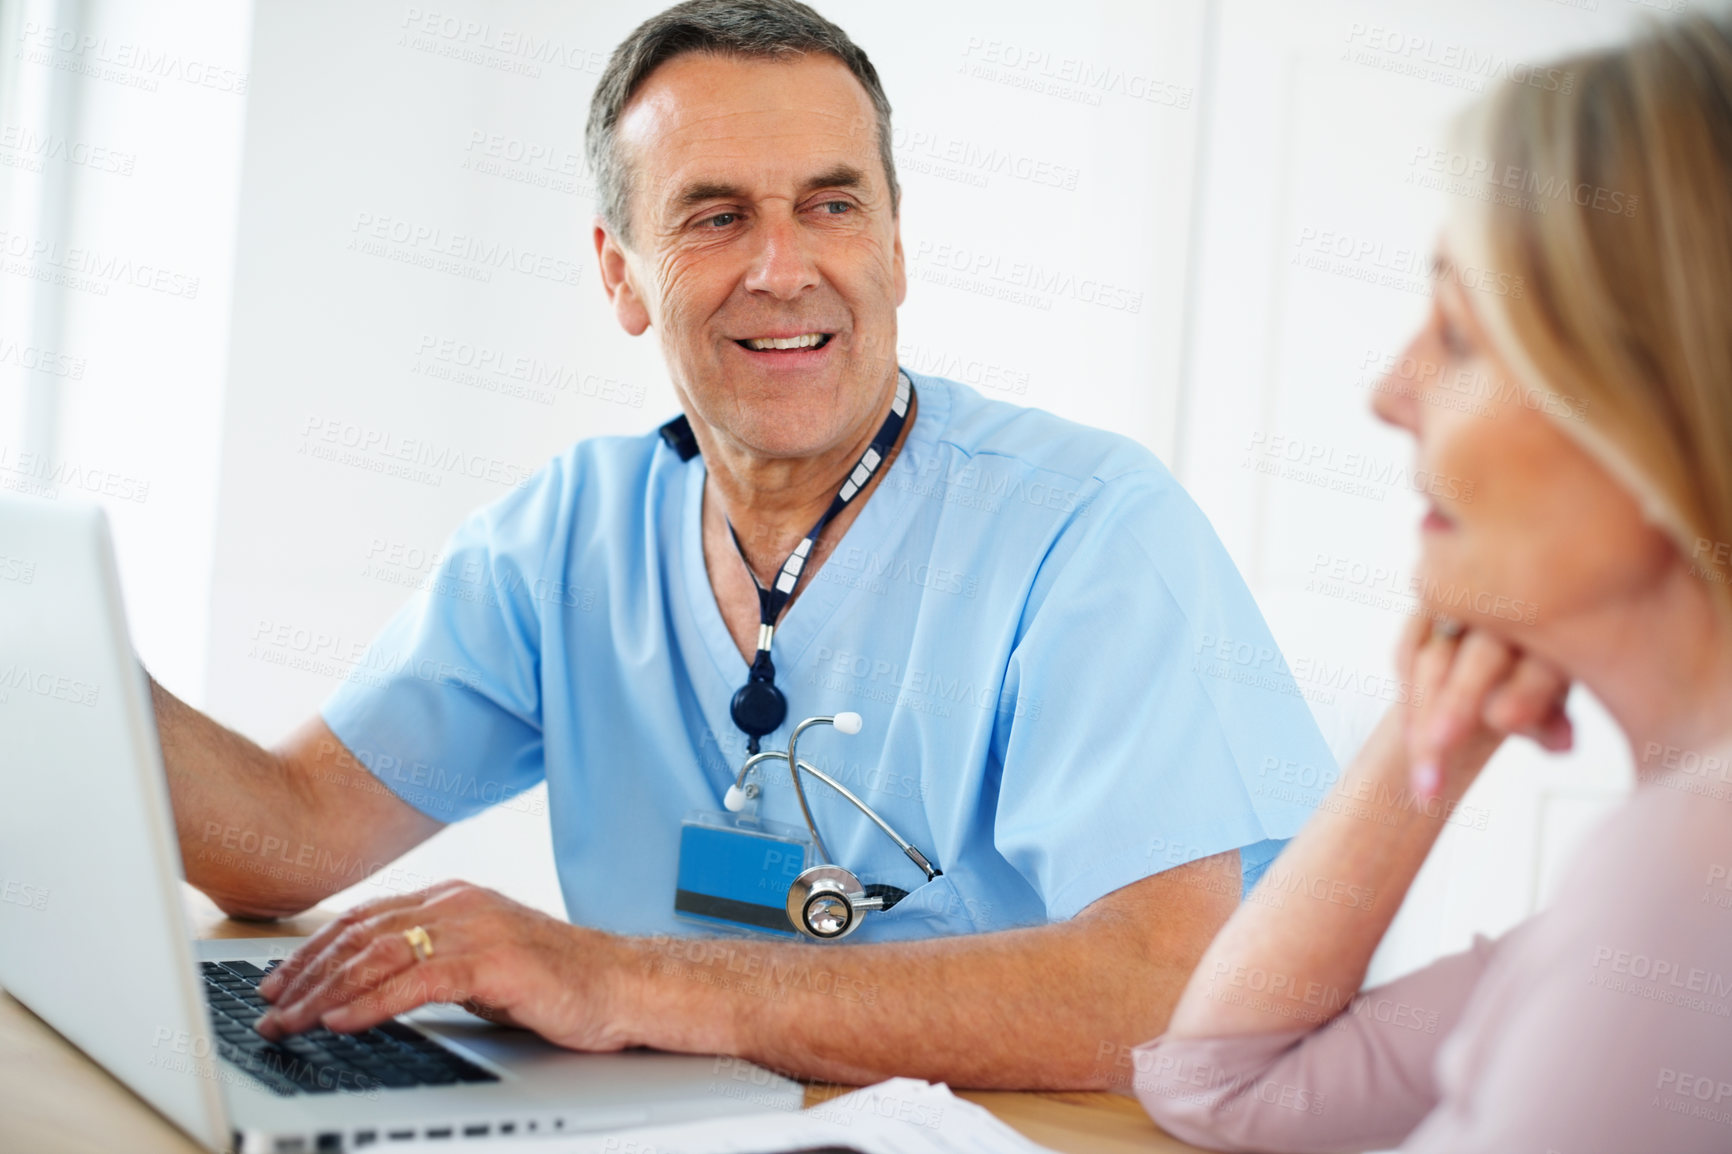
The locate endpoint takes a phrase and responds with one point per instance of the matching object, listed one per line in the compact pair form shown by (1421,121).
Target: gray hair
(758,29)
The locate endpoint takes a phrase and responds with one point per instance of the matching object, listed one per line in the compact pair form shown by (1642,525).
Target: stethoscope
(826,901)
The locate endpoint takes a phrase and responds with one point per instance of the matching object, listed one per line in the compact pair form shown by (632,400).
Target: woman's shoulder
(1655,855)
(1594,1023)
(1635,947)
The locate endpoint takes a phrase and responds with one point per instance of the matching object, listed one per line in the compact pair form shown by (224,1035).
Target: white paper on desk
(901,1116)
(908,1116)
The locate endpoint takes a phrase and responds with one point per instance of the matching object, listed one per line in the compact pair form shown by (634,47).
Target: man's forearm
(269,833)
(1052,1007)
(229,795)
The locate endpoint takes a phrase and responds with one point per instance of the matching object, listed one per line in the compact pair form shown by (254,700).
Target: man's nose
(781,266)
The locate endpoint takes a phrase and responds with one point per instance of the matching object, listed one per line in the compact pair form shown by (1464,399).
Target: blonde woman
(1603,493)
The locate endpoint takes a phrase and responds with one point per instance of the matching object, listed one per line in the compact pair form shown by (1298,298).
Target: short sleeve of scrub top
(1164,749)
(446,709)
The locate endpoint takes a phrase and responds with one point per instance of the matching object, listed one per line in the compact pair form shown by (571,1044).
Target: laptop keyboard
(390,1056)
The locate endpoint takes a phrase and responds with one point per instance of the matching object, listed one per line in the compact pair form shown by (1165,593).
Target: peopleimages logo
(1345,471)
(16,678)
(494,45)
(519,374)
(432,247)
(413,458)
(135,65)
(16,893)
(913,146)
(1018,281)
(35,359)
(1451,63)
(1531,189)
(1073,78)
(1404,268)
(1380,586)
(33,147)
(89,269)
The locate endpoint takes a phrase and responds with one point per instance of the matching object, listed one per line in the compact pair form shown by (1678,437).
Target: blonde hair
(1618,241)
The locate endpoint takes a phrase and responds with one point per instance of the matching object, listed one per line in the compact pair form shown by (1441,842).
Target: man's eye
(722,219)
(837,207)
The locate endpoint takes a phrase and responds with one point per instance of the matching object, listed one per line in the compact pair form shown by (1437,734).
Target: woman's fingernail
(1426,778)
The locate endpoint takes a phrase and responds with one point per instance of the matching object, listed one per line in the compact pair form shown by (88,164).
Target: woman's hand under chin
(1470,691)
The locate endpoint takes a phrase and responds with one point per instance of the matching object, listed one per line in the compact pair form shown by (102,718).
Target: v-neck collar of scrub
(883,516)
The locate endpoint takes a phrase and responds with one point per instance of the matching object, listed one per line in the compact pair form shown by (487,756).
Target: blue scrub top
(1065,683)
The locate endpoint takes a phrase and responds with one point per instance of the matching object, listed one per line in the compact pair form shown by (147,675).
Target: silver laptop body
(93,936)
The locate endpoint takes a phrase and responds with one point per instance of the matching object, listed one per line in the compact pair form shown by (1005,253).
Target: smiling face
(764,248)
(1527,531)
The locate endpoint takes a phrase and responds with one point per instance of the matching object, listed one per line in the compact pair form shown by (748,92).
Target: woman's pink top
(1602,1024)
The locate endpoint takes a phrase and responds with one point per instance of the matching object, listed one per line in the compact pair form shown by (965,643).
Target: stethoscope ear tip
(734,800)
(847,722)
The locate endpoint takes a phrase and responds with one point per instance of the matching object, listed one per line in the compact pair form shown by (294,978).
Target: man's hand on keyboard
(501,960)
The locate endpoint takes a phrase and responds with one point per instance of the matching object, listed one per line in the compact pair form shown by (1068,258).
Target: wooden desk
(54,1100)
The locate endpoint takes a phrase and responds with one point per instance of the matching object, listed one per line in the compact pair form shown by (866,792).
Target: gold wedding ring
(420,941)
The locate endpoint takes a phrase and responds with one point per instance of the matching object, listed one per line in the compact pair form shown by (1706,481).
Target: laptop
(94,939)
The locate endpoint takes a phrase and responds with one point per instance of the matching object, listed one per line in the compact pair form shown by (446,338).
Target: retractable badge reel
(739,869)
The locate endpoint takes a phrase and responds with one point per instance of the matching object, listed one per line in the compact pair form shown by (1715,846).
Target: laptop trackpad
(503,1046)
(633,1086)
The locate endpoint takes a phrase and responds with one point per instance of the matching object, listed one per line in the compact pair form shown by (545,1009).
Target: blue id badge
(735,870)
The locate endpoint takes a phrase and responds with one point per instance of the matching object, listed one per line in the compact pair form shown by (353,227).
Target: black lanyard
(759,707)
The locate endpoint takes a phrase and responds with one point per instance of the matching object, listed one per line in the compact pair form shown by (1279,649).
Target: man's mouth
(781,344)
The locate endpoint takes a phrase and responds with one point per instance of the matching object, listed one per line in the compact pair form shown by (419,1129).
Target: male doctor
(1065,685)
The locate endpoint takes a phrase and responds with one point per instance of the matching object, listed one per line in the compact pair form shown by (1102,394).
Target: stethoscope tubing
(913,854)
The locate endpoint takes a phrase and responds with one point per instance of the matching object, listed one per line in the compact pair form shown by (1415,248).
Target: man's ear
(616,282)
(900,263)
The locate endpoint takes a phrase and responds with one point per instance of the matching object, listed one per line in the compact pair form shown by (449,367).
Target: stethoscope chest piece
(827,902)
